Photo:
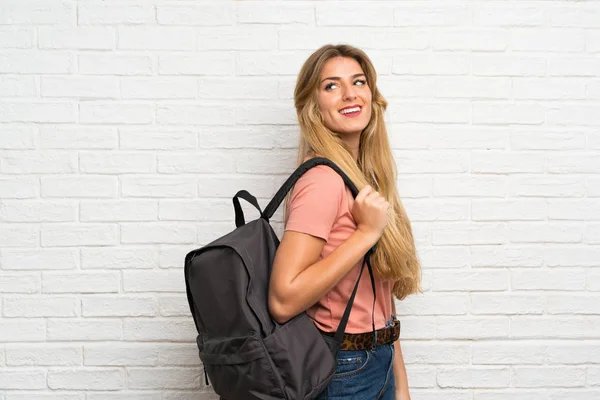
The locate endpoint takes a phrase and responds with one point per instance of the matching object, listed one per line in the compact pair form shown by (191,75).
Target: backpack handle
(239,213)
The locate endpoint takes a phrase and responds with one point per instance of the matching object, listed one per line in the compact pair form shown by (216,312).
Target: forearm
(400,376)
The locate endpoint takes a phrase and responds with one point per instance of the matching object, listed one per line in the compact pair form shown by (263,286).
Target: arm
(400,376)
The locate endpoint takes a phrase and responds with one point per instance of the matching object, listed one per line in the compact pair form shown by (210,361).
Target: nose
(348,93)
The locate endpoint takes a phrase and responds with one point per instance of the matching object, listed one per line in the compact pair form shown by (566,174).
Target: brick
(19,235)
(161,378)
(573,305)
(30,111)
(36,13)
(52,355)
(17,86)
(154,329)
(537,232)
(573,164)
(545,139)
(506,256)
(448,257)
(477,87)
(82,38)
(156,281)
(572,256)
(549,377)
(468,280)
(433,112)
(80,87)
(469,234)
(506,304)
(85,379)
(115,113)
(20,187)
(424,15)
(206,63)
(576,16)
(104,306)
(274,13)
(473,377)
(508,210)
(163,138)
(159,233)
(81,282)
(78,137)
(515,353)
(206,14)
(548,88)
(156,38)
(190,114)
(487,15)
(73,186)
(241,37)
(114,13)
(173,306)
(436,353)
(471,328)
(202,162)
(543,186)
(38,211)
(159,88)
(17,137)
(23,379)
(239,87)
(35,307)
(354,14)
(548,279)
(61,329)
(123,257)
(40,259)
(110,64)
(573,353)
(67,235)
(573,65)
(102,162)
(19,283)
(118,210)
(435,304)
(178,354)
(22,330)
(507,162)
(36,62)
(431,161)
(500,113)
(120,354)
(453,210)
(547,40)
(472,39)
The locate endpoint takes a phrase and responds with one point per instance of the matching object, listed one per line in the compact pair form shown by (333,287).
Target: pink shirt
(320,206)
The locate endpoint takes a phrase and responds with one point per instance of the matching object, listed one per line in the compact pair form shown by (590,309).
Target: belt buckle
(374,340)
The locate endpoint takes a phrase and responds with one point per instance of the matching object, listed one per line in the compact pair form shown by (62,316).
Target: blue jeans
(363,375)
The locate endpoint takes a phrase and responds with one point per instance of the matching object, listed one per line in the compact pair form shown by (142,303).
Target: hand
(370,212)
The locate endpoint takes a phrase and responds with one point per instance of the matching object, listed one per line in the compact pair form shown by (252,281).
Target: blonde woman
(327,233)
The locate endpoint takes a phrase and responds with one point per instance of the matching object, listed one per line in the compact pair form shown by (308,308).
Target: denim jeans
(363,375)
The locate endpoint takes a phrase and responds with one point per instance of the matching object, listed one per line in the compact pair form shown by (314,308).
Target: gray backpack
(246,354)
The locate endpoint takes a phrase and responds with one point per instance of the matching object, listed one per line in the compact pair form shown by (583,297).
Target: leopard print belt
(364,341)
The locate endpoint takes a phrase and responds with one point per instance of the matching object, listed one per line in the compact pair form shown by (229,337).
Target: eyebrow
(337,78)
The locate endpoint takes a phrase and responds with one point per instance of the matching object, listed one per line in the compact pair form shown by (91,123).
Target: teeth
(350,110)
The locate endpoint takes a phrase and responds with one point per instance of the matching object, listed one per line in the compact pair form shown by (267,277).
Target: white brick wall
(126,127)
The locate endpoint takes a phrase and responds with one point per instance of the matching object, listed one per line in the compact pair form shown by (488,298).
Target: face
(343,85)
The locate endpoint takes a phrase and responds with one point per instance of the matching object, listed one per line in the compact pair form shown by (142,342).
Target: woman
(327,232)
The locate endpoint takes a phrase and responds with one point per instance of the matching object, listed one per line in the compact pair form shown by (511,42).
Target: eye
(362,83)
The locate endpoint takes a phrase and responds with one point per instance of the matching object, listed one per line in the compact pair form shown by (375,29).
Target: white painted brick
(424,210)
(152,138)
(593,92)
(506,256)
(19,283)
(238,88)
(252,162)
(40,259)
(418,328)
(203,162)
(123,257)
(19,378)
(173,306)
(118,210)
(178,354)
(80,87)
(431,112)
(471,328)
(435,353)
(411,186)
(195,210)
(33,162)
(205,63)
(22,330)
(546,140)
(592,40)
(576,163)
(548,279)
(512,353)
(74,186)
(573,65)
(36,62)
(354,14)
(70,329)
(543,186)
(265,114)
(446,257)
(503,394)
(80,282)
(17,85)
(508,65)
(135,395)
(114,13)
(541,232)
(158,233)
(421,377)
(2,360)
(247,137)
(116,113)
(487,15)
(163,378)
(463,234)
(21,187)
(116,162)
(116,354)
(549,377)
(412,86)
(468,280)
(17,137)
(275,13)
(159,88)
(593,280)
(38,211)
(36,12)
(473,377)
(203,14)
(475,186)
(592,234)
(38,112)
(467,87)
(173,256)
(500,113)
(431,161)
(582,16)
(171,280)
(434,304)
(571,304)
(547,40)
(155,38)
(572,256)
(23,395)
(241,37)
(423,15)
(191,114)
(593,376)
(593,187)
(507,210)
(85,379)
(19,235)
(506,304)
(548,88)
(78,137)
(568,114)
(38,306)
(68,235)
(503,162)
(115,64)
(473,39)
(446,394)
(43,355)
(82,38)
(101,306)
(167,329)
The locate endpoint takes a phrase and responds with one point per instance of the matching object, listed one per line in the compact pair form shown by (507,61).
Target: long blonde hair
(396,257)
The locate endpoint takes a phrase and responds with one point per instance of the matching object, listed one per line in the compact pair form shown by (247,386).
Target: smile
(351,111)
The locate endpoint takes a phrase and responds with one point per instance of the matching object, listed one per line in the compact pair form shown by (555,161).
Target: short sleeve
(315,202)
